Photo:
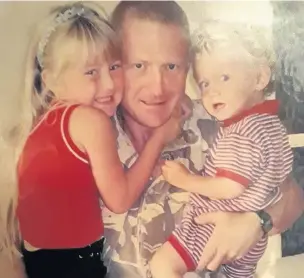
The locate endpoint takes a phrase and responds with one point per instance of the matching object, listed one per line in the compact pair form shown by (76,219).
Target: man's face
(155,69)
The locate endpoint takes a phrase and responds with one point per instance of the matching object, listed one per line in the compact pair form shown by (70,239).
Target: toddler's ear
(264,76)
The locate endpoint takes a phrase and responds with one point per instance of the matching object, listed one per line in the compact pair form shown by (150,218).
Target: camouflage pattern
(133,237)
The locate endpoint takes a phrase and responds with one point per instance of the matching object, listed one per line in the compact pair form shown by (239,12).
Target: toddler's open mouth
(218,106)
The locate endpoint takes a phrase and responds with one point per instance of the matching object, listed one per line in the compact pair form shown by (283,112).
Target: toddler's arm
(211,187)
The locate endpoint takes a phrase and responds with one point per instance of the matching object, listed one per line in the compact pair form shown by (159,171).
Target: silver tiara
(59,19)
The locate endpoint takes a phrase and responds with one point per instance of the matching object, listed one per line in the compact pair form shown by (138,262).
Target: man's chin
(146,118)
(153,122)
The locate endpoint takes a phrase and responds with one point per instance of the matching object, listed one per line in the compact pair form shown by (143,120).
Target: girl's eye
(91,72)
(225,77)
(115,66)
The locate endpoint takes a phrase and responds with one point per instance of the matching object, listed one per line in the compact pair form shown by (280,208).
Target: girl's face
(98,83)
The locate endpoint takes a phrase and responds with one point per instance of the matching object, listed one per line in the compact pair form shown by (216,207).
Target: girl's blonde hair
(69,33)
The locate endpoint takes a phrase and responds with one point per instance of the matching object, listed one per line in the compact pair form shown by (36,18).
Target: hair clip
(61,18)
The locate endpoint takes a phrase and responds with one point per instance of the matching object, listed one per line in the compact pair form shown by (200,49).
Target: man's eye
(138,65)
(225,77)
(172,66)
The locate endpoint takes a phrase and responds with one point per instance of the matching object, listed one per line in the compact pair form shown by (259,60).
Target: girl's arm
(93,132)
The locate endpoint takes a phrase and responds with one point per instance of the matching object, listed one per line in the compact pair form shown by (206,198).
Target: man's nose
(156,81)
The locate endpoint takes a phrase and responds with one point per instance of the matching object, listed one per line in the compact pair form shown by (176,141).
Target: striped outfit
(252,149)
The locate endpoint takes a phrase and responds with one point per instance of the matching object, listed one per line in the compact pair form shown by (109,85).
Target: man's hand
(234,234)
(175,173)
(286,211)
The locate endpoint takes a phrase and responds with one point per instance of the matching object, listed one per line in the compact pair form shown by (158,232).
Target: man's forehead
(145,39)
(139,25)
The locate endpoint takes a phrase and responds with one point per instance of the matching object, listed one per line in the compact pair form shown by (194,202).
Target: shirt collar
(270,107)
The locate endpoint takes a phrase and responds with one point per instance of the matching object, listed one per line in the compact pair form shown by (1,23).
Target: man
(156,57)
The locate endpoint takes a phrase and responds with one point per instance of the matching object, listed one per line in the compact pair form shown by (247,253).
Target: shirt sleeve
(238,158)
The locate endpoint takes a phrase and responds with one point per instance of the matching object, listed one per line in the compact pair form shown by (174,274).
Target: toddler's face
(227,79)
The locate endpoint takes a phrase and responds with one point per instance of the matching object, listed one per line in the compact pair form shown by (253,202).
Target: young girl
(69,157)
(250,157)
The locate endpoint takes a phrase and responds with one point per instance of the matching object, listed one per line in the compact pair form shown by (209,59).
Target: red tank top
(58,204)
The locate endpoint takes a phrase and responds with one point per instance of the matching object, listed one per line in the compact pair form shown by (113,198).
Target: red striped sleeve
(238,158)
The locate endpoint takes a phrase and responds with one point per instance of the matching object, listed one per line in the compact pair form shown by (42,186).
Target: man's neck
(138,134)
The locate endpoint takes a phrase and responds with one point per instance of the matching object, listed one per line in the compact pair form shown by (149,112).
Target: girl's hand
(187,107)
(171,129)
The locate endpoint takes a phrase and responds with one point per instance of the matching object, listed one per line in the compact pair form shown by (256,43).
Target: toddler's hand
(176,174)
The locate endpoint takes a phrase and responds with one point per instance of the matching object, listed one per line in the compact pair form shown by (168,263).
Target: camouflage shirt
(133,237)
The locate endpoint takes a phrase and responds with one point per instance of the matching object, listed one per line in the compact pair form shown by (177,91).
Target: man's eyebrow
(136,60)
(178,61)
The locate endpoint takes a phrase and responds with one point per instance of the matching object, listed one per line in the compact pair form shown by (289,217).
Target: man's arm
(285,212)
(235,233)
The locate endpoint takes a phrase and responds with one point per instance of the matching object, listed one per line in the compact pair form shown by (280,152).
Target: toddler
(250,156)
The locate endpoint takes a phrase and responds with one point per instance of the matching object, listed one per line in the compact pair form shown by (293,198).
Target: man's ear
(264,76)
